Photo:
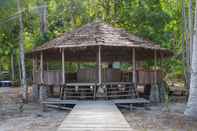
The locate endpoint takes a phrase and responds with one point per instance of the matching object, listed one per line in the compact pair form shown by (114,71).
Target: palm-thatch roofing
(116,44)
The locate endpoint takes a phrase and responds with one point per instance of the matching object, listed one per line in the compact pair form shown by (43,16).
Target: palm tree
(22,56)
(191,109)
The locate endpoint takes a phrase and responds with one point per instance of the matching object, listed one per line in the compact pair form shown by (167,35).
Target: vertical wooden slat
(47,73)
(35,88)
(12,66)
(99,66)
(63,68)
(41,67)
(134,65)
(33,70)
(36,63)
(36,70)
(155,67)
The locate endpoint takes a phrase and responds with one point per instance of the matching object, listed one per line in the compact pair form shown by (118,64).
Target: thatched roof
(114,41)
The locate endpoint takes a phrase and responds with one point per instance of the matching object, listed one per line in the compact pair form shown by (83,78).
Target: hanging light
(104,86)
(91,88)
(76,88)
(119,85)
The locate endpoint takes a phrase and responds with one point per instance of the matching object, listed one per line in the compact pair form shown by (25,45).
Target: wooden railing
(79,91)
(120,90)
(108,90)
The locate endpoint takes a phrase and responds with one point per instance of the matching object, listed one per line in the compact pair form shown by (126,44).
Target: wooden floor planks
(95,116)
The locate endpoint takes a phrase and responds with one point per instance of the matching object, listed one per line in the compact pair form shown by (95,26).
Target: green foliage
(40,39)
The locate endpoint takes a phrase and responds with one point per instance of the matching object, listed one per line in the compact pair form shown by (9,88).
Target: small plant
(167,102)
(167,98)
(19,102)
(144,129)
(20,107)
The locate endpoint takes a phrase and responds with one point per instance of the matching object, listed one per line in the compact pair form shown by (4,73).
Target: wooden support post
(43,93)
(47,73)
(63,76)
(63,68)
(34,68)
(134,65)
(134,70)
(41,67)
(36,63)
(43,89)
(99,66)
(155,67)
(99,75)
(35,90)
(154,96)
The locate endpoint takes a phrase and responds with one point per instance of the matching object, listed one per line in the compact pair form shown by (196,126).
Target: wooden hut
(96,43)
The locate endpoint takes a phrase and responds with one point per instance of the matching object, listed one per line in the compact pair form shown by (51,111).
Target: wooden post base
(35,93)
(43,93)
(154,96)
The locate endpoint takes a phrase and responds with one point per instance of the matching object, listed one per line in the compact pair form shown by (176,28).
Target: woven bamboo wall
(90,75)
(49,77)
(87,75)
(147,76)
(53,77)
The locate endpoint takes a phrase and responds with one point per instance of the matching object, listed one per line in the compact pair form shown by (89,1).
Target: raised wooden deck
(131,101)
(95,116)
(115,101)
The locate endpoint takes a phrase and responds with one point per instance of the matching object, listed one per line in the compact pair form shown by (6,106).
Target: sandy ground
(160,119)
(33,119)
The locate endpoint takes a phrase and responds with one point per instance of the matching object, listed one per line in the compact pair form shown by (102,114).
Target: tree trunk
(43,19)
(19,69)
(190,24)
(186,49)
(12,66)
(22,56)
(191,109)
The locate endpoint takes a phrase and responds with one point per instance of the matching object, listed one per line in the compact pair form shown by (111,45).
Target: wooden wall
(54,77)
(90,75)
(147,76)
